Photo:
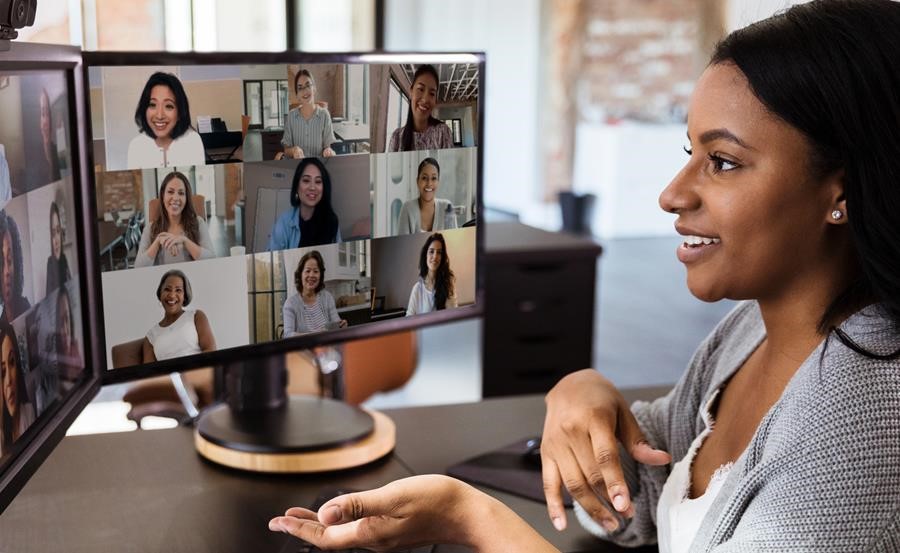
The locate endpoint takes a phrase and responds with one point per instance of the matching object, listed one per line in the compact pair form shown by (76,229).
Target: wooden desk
(148,491)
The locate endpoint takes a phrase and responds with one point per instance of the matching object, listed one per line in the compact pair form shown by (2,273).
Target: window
(267,293)
(266,102)
(398,107)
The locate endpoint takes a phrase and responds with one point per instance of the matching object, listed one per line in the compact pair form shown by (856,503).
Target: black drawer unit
(539,308)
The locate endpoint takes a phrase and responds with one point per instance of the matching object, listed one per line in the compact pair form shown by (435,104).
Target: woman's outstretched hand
(411,512)
(586,419)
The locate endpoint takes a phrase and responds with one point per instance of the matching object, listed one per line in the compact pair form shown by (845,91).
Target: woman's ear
(837,212)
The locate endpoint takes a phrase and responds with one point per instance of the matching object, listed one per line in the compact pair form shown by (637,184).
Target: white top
(176,340)
(421,299)
(678,517)
(187,149)
(410,220)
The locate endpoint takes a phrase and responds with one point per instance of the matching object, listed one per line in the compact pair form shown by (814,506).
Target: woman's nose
(679,195)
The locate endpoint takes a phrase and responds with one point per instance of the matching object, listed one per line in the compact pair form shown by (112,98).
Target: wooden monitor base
(349,454)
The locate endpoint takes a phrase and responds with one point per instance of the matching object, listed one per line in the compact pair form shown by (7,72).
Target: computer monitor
(311,233)
(48,360)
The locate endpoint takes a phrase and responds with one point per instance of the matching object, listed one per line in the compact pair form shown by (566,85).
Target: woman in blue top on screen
(18,412)
(163,117)
(436,287)
(181,331)
(422,131)
(427,213)
(307,129)
(12,276)
(312,309)
(177,234)
(312,221)
(57,265)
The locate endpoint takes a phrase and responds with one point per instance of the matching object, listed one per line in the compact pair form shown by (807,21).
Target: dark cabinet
(539,307)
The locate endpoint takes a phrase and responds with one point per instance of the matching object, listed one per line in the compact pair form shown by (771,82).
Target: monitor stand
(260,428)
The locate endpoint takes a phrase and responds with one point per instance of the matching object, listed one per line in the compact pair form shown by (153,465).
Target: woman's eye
(721,164)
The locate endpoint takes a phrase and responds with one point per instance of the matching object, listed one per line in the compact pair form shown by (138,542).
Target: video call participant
(18,412)
(435,288)
(312,309)
(312,221)
(68,353)
(57,265)
(792,133)
(181,331)
(427,213)
(307,128)
(12,276)
(422,130)
(49,163)
(5,181)
(177,234)
(165,137)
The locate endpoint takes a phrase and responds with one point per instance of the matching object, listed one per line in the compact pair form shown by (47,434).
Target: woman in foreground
(788,200)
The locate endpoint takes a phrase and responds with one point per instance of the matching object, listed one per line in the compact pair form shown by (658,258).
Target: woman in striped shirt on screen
(313,308)
(307,129)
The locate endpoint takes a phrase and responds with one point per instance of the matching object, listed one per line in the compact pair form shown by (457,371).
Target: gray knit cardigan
(822,471)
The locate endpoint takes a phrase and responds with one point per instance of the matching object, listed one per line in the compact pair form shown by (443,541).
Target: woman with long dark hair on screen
(68,352)
(783,433)
(312,308)
(307,128)
(181,331)
(12,275)
(57,264)
(311,221)
(165,137)
(177,233)
(436,287)
(422,130)
(18,412)
(427,213)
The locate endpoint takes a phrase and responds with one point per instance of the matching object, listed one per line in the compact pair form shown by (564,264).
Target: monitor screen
(43,351)
(253,203)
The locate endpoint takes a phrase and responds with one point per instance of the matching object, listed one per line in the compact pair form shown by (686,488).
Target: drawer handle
(537,338)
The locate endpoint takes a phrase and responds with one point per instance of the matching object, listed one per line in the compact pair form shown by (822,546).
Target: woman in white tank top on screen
(181,331)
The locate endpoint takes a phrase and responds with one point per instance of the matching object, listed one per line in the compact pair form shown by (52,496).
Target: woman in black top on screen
(57,265)
(18,412)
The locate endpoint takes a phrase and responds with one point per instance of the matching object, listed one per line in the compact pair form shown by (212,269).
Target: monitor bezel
(251,352)
(49,429)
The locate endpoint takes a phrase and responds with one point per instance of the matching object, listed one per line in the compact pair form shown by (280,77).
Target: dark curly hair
(443,278)
(298,274)
(181,104)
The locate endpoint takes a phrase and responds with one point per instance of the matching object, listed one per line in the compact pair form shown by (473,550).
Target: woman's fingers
(553,492)
(635,442)
(585,485)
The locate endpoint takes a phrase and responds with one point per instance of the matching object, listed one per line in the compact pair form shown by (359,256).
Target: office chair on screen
(372,365)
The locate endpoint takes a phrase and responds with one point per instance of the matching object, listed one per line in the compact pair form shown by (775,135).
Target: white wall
(508,31)
(130,306)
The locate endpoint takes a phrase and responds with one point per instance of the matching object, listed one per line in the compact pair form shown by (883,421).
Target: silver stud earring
(837,214)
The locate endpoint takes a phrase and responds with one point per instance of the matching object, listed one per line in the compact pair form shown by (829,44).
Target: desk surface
(149,491)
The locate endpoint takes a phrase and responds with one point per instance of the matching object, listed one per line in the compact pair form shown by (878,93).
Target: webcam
(15,14)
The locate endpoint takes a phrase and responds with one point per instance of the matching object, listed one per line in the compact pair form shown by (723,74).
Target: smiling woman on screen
(163,117)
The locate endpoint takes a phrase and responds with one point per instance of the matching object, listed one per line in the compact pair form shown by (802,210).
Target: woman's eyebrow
(723,134)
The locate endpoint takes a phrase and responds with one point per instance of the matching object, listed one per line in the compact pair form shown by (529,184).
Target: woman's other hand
(412,512)
(586,419)
(328,152)
(343,323)
(295,152)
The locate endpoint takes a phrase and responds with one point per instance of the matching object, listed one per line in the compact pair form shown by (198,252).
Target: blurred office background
(581,95)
